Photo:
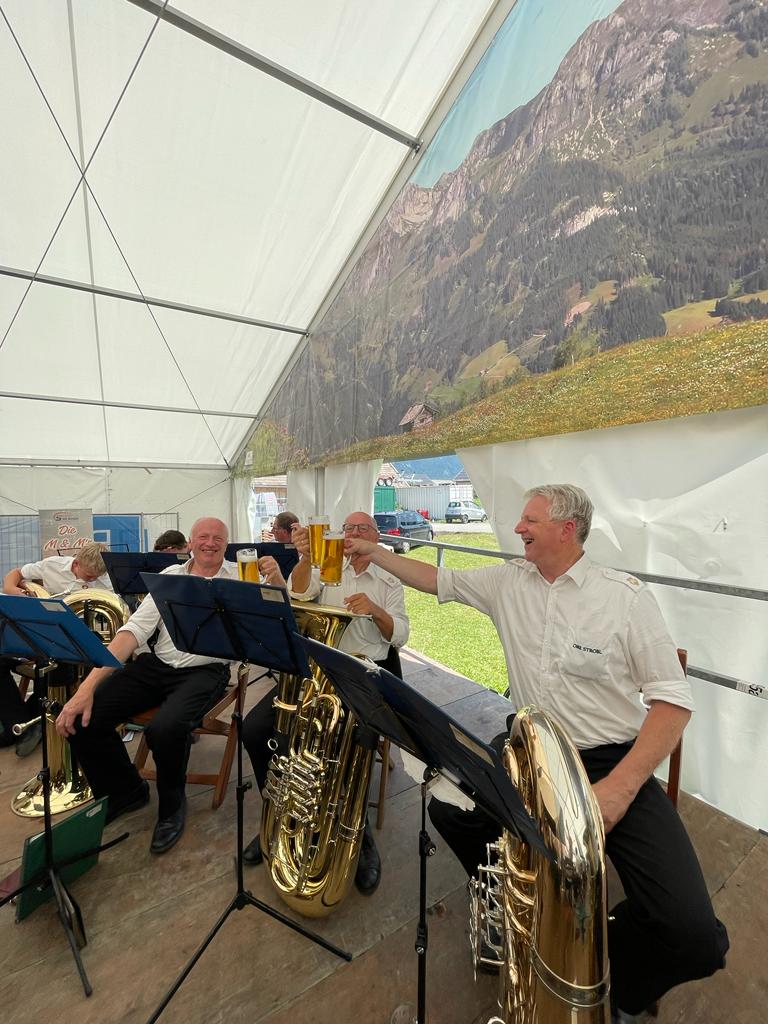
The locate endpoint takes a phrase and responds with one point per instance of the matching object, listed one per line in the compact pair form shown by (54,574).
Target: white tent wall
(335,490)
(302,493)
(687,498)
(349,488)
(189,492)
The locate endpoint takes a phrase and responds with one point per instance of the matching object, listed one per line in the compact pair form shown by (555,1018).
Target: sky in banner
(540,34)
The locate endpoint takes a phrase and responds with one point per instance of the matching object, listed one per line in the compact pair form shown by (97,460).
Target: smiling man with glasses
(377,596)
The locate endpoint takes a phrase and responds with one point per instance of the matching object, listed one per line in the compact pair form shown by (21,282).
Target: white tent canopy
(184,188)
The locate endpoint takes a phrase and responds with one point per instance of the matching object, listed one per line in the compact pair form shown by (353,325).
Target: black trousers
(13,710)
(183,696)
(665,931)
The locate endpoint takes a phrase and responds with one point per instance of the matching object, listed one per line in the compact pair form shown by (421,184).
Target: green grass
(659,378)
(485,360)
(459,637)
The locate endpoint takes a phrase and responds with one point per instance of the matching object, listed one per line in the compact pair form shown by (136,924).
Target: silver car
(465,512)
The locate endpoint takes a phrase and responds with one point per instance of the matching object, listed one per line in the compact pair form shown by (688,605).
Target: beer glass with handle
(248,565)
(333,558)
(317,527)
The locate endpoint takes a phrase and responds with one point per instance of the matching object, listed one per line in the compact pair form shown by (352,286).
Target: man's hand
(270,570)
(361,604)
(358,546)
(80,704)
(613,801)
(300,539)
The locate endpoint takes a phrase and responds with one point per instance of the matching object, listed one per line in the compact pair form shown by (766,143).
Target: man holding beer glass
(181,685)
(361,587)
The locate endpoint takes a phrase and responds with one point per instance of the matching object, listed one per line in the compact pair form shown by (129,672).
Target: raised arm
(302,573)
(412,572)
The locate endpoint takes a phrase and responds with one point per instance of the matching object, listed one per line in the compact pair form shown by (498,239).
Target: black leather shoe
(134,800)
(368,873)
(29,740)
(169,831)
(252,853)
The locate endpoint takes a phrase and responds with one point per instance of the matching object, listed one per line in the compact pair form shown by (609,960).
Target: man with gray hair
(182,686)
(588,644)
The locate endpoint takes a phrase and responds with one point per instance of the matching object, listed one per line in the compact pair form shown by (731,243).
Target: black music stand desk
(125,569)
(251,622)
(44,630)
(408,719)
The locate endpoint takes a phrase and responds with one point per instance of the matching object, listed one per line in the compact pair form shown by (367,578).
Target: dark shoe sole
(158,850)
(29,741)
(368,890)
(133,805)
(253,857)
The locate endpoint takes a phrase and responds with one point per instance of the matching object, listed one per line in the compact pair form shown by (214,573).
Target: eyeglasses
(360,527)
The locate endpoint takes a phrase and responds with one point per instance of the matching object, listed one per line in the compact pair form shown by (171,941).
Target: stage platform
(146,915)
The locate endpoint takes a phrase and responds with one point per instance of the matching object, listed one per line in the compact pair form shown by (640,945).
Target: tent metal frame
(255,60)
(146,300)
(103,404)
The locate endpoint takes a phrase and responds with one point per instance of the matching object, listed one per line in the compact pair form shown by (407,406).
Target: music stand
(248,622)
(125,569)
(390,706)
(46,630)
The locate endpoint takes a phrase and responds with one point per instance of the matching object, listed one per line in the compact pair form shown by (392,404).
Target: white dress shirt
(363,636)
(591,647)
(57,576)
(146,619)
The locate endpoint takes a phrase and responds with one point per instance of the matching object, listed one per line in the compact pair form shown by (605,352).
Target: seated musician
(172,540)
(182,685)
(366,590)
(588,644)
(282,525)
(59,575)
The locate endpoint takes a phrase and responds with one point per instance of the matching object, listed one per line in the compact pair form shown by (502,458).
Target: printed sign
(65,531)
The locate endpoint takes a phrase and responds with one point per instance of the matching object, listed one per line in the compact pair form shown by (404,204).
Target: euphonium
(546,918)
(104,613)
(316,793)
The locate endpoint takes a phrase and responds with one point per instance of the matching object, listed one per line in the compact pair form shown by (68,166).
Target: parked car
(465,512)
(402,529)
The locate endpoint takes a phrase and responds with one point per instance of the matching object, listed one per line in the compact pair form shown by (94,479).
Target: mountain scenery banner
(583,245)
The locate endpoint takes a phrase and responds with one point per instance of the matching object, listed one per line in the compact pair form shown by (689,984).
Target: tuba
(104,613)
(545,917)
(316,793)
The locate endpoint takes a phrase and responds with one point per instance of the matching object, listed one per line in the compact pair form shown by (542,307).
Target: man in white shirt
(183,685)
(59,575)
(366,590)
(589,644)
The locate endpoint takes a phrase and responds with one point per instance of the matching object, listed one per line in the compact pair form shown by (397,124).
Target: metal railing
(749,593)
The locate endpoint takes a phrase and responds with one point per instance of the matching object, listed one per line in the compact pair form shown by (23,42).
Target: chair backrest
(676,757)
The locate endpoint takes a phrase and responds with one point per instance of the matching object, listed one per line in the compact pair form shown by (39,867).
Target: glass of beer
(317,527)
(333,558)
(248,565)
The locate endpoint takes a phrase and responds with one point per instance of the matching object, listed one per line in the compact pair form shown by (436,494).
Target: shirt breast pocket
(586,655)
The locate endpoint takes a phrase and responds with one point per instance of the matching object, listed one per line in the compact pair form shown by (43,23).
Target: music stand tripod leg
(426,849)
(67,909)
(243,897)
